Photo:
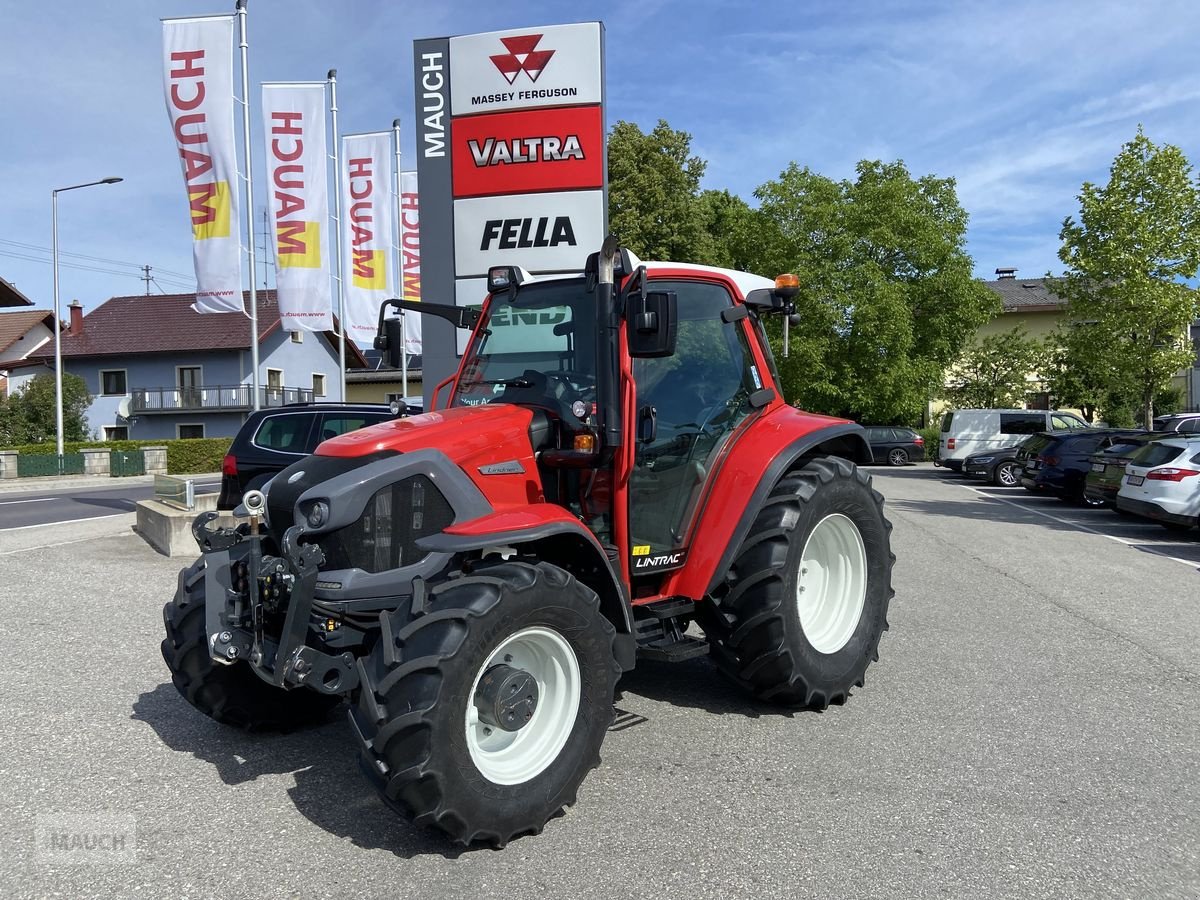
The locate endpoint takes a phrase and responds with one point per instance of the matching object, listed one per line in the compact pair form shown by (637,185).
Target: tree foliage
(993,372)
(1136,241)
(27,416)
(887,297)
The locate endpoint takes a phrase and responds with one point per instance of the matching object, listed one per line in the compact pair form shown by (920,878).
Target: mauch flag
(294,130)
(198,81)
(368,230)
(410,257)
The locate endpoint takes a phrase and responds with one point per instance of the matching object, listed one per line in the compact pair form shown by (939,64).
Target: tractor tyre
(482,714)
(808,591)
(231,694)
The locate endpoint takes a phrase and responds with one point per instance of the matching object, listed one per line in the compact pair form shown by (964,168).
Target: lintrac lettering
(514,234)
(521,150)
(654,562)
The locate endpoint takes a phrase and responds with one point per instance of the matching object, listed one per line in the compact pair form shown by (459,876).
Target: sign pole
(337,205)
(241,13)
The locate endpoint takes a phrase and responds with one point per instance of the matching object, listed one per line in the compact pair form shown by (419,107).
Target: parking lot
(1031,730)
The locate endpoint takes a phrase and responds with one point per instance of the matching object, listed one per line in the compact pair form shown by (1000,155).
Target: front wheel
(898,456)
(1007,474)
(483,714)
(808,590)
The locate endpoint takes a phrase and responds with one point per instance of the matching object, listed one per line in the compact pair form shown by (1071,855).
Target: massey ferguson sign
(511,161)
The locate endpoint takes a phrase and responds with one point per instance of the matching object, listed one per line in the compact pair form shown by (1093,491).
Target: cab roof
(745,281)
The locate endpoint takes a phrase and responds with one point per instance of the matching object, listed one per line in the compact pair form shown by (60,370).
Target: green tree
(653,189)
(29,414)
(1079,371)
(887,301)
(994,371)
(1136,241)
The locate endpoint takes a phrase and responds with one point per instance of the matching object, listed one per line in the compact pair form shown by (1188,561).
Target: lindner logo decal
(522,57)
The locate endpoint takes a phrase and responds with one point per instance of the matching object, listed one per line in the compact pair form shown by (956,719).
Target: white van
(967,431)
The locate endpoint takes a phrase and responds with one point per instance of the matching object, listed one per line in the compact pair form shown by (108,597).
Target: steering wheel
(577,383)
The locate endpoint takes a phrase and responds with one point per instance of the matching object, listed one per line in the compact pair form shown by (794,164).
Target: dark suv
(270,440)
(1058,463)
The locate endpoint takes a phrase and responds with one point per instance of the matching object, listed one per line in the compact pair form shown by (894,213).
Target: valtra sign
(524,180)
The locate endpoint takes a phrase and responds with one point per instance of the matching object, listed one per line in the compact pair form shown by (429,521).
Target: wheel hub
(506,698)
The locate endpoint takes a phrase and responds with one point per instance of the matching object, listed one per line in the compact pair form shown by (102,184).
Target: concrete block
(96,460)
(169,530)
(8,463)
(156,460)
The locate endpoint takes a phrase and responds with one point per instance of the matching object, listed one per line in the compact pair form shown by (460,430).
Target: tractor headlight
(316,513)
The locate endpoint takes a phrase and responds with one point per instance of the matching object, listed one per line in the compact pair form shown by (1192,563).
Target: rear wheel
(898,456)
(233,694)
(1006,475)
(808,590)
(482,715)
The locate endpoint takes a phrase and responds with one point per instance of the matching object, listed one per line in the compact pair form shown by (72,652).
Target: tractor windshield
(542,339)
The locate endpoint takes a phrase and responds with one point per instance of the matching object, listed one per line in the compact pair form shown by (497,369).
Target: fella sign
(511,158)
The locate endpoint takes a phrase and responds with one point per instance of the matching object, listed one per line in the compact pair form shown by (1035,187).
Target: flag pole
(337,203)
(400,268)
(241,14)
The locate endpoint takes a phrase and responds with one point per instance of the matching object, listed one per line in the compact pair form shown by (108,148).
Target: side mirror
(652,320)
(391,342)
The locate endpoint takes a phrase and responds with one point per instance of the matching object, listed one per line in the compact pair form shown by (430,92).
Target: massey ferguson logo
(522,56)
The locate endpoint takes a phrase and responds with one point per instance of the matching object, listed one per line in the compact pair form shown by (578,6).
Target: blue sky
(1020,101)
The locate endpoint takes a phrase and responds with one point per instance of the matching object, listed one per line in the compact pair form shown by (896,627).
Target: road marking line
(1037,512)
(65,543)
(67,521)
(34,500)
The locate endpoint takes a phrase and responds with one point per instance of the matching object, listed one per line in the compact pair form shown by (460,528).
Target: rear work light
(1170,474)
(229,464)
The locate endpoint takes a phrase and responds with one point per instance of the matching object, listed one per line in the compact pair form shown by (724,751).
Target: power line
(102,259)
(86,268)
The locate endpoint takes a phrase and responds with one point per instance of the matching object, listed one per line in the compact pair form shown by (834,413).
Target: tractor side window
(699,395)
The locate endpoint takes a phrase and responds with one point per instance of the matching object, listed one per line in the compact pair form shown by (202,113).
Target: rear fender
(553,535)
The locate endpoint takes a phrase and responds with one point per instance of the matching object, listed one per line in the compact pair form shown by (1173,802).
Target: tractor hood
(461,432)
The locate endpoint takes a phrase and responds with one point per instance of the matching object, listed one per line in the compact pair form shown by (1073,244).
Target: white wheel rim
(831,587)
(1007,475)
(514,757)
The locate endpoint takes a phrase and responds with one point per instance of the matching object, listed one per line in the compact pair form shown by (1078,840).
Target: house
(158,369)
(22,333)
(376,383)
(10,296)
(1026,302)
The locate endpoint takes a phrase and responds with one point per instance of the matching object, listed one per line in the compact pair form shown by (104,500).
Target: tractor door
(695,399)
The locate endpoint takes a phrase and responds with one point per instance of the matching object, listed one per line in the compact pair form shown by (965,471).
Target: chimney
(1006,273)
(76,317)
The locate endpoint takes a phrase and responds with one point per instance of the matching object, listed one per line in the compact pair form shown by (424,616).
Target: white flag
(368,229)
(198,81)
(294,130)
(410,257)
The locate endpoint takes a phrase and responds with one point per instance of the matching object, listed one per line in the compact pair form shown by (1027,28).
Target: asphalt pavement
(50,504)
(1032,729)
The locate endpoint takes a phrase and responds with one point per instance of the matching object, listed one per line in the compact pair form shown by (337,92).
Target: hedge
(184,456)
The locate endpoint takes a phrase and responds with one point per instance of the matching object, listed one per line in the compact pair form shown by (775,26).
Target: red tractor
(615,462)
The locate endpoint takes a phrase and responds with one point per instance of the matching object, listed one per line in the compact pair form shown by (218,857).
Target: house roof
(16,324)
(158,323)
(10,296)
(1026,295)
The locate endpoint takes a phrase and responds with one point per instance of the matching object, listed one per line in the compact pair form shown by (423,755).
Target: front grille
(385,536)
(297,478)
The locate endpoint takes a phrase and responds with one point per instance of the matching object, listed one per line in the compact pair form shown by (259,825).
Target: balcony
(212,398)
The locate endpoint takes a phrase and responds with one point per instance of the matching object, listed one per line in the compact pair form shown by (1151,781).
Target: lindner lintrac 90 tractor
(613,461)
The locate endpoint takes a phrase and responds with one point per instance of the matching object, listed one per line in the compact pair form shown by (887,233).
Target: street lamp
(58,369)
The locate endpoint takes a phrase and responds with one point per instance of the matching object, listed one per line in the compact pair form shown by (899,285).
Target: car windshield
(547,332)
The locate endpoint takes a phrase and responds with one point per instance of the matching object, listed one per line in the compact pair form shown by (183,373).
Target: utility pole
(146,278)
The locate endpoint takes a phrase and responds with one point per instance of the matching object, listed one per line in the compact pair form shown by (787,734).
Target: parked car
(270,440)
(896,446)
(1161,482)
(1184,423)
(967,431)
(1058,463)
(1106,469)
(1000,466)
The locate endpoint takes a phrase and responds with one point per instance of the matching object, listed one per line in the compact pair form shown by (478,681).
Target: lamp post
(58,369)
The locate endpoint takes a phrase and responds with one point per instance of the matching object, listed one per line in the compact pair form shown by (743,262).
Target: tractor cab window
(699,396)
(537,348)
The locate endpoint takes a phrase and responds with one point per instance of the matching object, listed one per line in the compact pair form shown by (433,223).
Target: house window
(116,432)
(113,383)
(189,379)
(318,384)
(190,431)
(275,380)
(297,337)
